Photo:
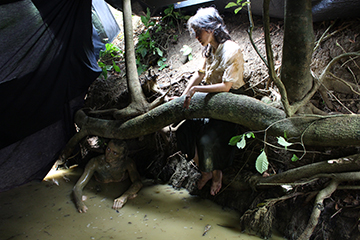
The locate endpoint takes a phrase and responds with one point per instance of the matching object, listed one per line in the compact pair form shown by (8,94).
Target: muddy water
(44,210)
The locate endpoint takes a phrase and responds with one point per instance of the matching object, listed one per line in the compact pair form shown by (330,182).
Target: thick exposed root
(259,220)
(185,174)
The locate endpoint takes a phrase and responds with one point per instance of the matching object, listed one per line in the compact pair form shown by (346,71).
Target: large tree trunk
(297,49)
(138,104)
(246,111)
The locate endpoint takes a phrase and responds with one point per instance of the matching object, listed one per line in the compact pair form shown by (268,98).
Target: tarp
(47,63)
(322,9)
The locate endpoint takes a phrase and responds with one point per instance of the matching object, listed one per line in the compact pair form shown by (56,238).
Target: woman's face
(204,36)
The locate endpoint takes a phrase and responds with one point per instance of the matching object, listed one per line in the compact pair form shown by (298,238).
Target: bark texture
(249,112)
(297,49)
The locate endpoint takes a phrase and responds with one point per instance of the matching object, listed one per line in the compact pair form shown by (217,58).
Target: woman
(203,140)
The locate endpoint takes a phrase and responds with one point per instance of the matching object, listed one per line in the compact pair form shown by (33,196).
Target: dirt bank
(339,219)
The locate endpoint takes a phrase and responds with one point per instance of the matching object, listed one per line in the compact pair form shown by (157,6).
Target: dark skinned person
(113,166)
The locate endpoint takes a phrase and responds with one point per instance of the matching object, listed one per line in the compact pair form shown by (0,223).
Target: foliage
(186,51)
(261,162)
(171,17)
(150,48)
(239,4)
(240,140)
(108,58)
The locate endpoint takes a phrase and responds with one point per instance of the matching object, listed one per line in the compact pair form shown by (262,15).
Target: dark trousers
(211,137)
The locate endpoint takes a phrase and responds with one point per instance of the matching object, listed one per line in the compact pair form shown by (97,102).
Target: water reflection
(44,210)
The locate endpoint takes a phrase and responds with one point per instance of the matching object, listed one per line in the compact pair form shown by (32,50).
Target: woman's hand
(172,98)
(187,102)
(188,96)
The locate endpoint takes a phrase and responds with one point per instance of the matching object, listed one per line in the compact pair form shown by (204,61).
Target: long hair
(209,19)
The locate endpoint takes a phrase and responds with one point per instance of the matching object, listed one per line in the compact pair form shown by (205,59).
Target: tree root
(318,207)
(242,110)
(325,169)
(337,178)
(259,220)
(338,171)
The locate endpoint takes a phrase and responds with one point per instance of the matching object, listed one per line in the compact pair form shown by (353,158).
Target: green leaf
(161,63)
(242,143)
(190,57)
(148,13)
(237,10)
(141,68)
(283,142)
(262,163)
(104,73)
(116,67)
(250,135)
(169,10)
(159,52)
(143,52)
(294,158)
(231,4)
(186,50)
(108,67)
(234,140)
(158,29)
(101,64)
(143,20)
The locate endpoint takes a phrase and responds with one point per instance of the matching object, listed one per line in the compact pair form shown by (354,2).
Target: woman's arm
(218,87)
(194,80)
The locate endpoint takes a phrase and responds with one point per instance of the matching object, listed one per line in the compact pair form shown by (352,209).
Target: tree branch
(251,27)
(289,110)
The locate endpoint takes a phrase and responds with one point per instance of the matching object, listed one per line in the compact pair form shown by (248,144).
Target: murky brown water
(44,210)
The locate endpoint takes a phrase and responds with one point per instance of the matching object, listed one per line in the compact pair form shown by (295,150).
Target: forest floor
(342,219)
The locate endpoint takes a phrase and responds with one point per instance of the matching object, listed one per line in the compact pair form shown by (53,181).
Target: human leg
(216,182)
(214,152)
(205,176)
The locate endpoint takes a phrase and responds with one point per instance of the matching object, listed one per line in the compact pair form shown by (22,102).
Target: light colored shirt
(226,65)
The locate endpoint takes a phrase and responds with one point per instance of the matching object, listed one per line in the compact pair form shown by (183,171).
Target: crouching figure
(113,166)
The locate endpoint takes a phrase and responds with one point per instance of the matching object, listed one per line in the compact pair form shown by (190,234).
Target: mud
(44,210)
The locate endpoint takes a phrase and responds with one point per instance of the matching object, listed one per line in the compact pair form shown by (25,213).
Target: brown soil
(289,216)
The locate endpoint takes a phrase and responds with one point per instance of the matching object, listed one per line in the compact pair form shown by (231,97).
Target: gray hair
(209,19)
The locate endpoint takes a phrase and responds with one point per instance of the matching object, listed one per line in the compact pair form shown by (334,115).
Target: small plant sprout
(262,162)
(240,140)
(186,51)
(283,142)
(239,4)
(108,57)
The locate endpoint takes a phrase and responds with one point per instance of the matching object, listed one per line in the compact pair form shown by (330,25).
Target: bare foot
(216,182)
(205,177)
